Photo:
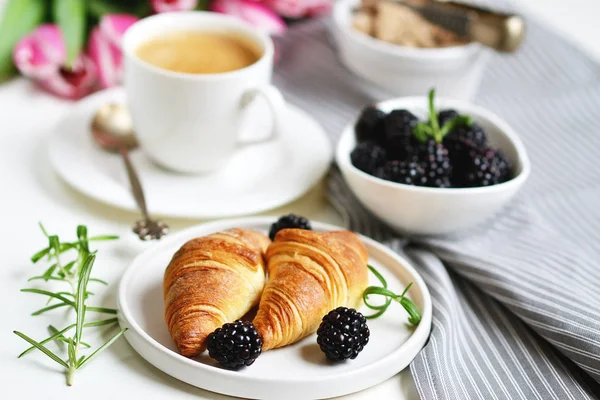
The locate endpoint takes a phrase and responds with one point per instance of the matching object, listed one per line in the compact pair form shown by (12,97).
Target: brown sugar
(393,22)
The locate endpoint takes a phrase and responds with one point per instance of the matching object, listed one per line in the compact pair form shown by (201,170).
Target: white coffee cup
(194,123)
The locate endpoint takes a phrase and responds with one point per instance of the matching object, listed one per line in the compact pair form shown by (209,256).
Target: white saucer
(258,178)
(299,371)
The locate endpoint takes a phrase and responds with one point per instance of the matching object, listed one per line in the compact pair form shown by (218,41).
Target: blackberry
(435,159)
(462,135)
(368,157)
(455,139)
(398,130)
(235,345)
(343,334)
(370,125)
(288,222)
(475,167)
(445,116)
(409,173)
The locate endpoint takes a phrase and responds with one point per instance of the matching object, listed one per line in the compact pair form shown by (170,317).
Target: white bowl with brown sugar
(393,47)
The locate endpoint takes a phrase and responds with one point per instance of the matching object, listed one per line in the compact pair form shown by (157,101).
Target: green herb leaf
(412,310)
(422,131)
(77,274)
(39,255)
(59,338)
(454,123)
(82,236)
(379,308)
(70,15)
(101,348)
(49,339)
(103,237)
(54,243)
(414,315)
(49,308)
(67,246)
(84,276)
(99,281)
(50,294)
(18,18)
(43,229)
(102,310)
(431,129)
(91,324)
(103,322)
(44,278)
(433,119)
(41,348)
(378,275)
(48,273)
(71,352)
(63,339)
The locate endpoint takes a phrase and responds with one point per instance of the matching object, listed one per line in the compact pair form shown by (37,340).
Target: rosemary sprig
(76,274)
(414,315)
(431,129)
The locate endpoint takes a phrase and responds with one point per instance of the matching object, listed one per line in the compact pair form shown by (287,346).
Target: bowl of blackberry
(429,166)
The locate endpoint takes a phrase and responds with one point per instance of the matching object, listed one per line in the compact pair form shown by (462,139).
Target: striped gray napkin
(517,300)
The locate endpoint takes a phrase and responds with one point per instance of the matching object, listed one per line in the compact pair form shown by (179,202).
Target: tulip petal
(300,8)
(73,84)
(113,26)
(161,6)
(38,54)
(102,54)
(252,12)
(104,47)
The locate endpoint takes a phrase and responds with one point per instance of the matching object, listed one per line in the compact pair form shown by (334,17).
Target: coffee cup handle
(277,107)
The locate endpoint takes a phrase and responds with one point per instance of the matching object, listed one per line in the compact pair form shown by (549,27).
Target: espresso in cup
(190,78)
(198,52)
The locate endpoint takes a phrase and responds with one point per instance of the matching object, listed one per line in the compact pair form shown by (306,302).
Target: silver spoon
(112,130)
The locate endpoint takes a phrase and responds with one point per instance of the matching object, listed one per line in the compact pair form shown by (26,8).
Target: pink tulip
(41,56)
(105,47)
(300,8)
(161,6)
(253,12)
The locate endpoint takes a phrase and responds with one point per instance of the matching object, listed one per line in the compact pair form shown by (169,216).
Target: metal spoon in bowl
(112,130)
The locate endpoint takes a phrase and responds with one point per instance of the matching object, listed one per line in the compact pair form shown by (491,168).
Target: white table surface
(32,192)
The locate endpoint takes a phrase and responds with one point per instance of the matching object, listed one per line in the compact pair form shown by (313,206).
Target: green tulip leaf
(70,15)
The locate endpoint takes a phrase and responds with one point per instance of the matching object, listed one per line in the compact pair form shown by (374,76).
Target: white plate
(258,178)
(299,371)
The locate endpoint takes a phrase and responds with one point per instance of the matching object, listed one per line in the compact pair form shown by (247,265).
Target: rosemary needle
(414,315)
(77,274)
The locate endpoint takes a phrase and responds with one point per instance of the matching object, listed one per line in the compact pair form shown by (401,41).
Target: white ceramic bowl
(456,72)
(432,211)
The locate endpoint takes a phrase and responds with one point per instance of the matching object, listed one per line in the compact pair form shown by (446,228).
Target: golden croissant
(310,274)
(212,280)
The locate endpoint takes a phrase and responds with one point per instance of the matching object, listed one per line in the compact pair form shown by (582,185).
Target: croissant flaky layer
(310,274)
(212,280)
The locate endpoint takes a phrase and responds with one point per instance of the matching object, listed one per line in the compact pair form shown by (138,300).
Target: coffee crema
(198,52)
